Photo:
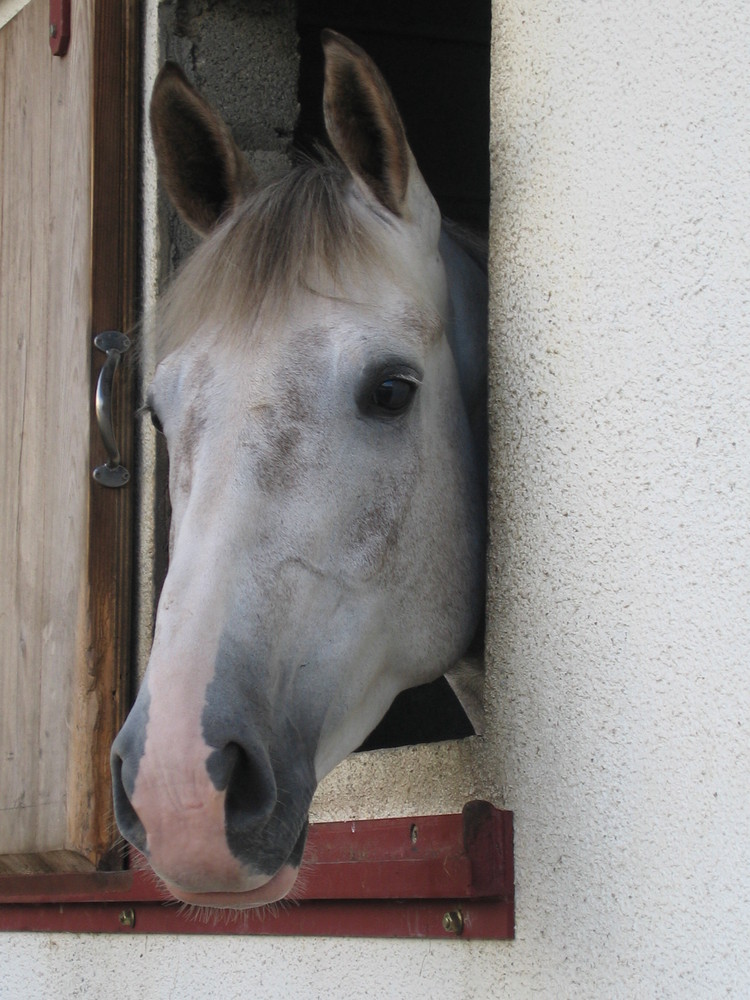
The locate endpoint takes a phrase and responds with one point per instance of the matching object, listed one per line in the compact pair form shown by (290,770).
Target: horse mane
(297,233)
(473,244)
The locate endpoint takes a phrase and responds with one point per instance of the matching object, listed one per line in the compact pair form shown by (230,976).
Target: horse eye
(393,395)
(156,422)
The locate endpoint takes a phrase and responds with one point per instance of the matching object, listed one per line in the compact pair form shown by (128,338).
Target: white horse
(321,388)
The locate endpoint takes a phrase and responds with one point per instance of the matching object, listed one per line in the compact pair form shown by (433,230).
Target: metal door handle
(114,344)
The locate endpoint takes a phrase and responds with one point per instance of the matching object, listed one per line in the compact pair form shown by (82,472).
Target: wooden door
(67,254)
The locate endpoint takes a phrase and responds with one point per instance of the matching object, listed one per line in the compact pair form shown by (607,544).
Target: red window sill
(426,876)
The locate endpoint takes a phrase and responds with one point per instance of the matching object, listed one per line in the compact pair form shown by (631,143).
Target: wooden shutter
(67,256)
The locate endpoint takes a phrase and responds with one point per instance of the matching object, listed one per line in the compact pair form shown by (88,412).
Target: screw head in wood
(453,922)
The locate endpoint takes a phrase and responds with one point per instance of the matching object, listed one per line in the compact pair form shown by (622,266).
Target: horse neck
(467,330)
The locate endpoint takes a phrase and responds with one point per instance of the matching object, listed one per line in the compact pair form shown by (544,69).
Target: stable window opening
(445,875)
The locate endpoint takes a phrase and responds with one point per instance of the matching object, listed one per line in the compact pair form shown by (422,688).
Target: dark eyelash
(147,410)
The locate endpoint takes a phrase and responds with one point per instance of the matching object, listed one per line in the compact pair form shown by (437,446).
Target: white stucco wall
(619,639)
(9,9)
(621,568)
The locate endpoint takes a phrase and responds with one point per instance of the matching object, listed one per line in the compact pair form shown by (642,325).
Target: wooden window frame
(114,292)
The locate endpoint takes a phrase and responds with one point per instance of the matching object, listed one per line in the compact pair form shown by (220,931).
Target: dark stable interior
(436,58)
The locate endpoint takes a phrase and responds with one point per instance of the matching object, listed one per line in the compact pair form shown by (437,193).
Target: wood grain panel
(64,542)
(44,262)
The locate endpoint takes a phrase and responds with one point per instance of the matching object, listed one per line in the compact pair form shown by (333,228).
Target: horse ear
(202,168)
(366,130)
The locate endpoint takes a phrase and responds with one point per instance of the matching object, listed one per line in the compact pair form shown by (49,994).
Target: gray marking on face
(283,459)
(279,467)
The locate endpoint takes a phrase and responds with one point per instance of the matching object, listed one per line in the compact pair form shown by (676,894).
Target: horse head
(326,545)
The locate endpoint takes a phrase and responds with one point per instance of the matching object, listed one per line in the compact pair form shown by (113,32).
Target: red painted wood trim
(393,877)
(429,857)
(482,919)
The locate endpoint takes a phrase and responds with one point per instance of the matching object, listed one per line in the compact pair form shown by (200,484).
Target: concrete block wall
(243,58)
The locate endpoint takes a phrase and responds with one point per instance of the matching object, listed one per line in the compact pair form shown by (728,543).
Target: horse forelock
(300,234)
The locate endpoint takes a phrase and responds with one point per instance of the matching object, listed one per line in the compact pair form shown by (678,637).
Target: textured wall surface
(621,562)
(618,693)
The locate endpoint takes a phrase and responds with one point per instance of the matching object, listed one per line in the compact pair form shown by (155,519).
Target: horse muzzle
(208,820)
(276,888)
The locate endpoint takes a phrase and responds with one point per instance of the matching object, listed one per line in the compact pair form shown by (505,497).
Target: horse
(320,383)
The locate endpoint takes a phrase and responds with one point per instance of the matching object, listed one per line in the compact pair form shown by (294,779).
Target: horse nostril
(221,764)
(249,782)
